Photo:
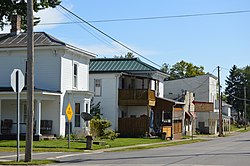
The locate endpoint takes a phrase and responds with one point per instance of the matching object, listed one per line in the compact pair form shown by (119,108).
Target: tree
(234,88)
(246,80)
(129,55)
(8,8)
(182,69)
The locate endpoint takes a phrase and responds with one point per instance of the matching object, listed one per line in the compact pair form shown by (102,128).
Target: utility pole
(245,107)
(220,113)
(30,82)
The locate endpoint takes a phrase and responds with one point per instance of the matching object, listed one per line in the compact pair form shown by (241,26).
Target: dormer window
(75,75)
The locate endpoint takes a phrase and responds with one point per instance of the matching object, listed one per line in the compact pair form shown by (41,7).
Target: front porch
(46,112)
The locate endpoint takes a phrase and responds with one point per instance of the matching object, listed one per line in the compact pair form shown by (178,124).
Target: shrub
(99,128)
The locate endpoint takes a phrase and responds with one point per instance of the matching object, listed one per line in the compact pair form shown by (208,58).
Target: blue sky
(209,41)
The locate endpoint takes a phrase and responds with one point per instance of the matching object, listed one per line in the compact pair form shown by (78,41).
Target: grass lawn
(242,129)
(34,162)
(61,145)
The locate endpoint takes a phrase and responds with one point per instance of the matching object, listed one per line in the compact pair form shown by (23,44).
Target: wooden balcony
(136,97)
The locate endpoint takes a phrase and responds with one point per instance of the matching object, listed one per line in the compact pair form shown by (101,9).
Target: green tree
(182,69)
(165,68)
(246,80)
(234,89)
(8,8)
(129,55)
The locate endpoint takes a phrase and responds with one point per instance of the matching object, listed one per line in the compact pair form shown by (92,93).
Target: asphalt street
(227,151)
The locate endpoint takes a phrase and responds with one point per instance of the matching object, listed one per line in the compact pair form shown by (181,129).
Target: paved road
(228,151)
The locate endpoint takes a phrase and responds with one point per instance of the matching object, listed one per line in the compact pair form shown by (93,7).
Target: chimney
(15,24)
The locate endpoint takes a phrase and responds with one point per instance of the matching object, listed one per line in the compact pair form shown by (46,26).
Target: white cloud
(114,49)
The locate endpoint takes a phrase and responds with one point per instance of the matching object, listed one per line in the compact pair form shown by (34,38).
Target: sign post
(17,84)
(69,114)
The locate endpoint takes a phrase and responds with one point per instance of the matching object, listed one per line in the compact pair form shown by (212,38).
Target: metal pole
(68,134)
(245,107)
(30,82)
(17,116)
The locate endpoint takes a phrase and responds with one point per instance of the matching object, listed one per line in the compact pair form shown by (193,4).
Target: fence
(133,127)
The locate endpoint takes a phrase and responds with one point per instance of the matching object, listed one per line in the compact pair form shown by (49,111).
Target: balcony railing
(136,97)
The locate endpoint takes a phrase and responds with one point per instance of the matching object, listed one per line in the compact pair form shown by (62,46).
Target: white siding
(46,68)
(8,62)
(204,87)
(67,63)
(109,98)
(47,71)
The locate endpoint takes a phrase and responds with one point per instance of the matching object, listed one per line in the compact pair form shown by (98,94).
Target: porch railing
(136,97)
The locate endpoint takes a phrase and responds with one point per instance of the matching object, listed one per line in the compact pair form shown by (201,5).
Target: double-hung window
(75,75)
(77,115)
(98,87)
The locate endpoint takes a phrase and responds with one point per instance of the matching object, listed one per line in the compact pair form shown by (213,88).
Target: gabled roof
(20,40)
(119,65)
(41,39)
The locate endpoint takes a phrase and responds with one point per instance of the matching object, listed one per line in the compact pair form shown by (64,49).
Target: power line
(91,33)
(153,18)
(238,98)
(105,34)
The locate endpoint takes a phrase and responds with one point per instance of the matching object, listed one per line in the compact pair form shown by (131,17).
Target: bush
(110,134)
(99,128)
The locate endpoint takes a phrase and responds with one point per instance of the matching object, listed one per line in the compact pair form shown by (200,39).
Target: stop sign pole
(17,83)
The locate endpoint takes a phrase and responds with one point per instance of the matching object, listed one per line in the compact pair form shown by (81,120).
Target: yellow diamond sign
(69,112)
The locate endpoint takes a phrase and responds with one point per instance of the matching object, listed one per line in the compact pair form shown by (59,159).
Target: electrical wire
(82,26)
(105,34)
(154,18)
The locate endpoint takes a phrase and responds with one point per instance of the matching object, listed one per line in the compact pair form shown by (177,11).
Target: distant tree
(182,69)
(165,68)
(234,88)
(246,80)
(8,8)
(129,55)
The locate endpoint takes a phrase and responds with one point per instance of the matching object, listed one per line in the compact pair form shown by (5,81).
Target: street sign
(17,84)
(69,112)
(17,79)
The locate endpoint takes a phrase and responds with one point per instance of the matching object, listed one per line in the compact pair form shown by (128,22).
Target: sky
(209,41)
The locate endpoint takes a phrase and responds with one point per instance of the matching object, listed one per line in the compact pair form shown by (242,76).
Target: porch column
(38,116)
(0,115)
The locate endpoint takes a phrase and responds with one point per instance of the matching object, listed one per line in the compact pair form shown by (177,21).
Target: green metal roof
(119,65)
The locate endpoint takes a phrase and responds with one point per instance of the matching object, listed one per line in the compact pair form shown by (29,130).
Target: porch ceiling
(8,94)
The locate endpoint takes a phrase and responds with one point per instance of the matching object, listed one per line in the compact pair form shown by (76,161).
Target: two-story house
(61,77)
(130,93)
(204,88)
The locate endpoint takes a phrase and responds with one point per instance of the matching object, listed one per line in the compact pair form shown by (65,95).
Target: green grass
(242,129)
(61,145)
(34,162)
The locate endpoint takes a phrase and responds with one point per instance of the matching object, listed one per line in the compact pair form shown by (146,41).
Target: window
(98,87)
(87,110)
(25,113)
(75,75)
(77,115)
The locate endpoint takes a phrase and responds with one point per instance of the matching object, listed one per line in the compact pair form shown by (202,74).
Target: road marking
(72,155)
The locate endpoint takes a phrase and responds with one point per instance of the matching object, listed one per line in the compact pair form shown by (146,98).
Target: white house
(126,88)
(61,77)
(204,88)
